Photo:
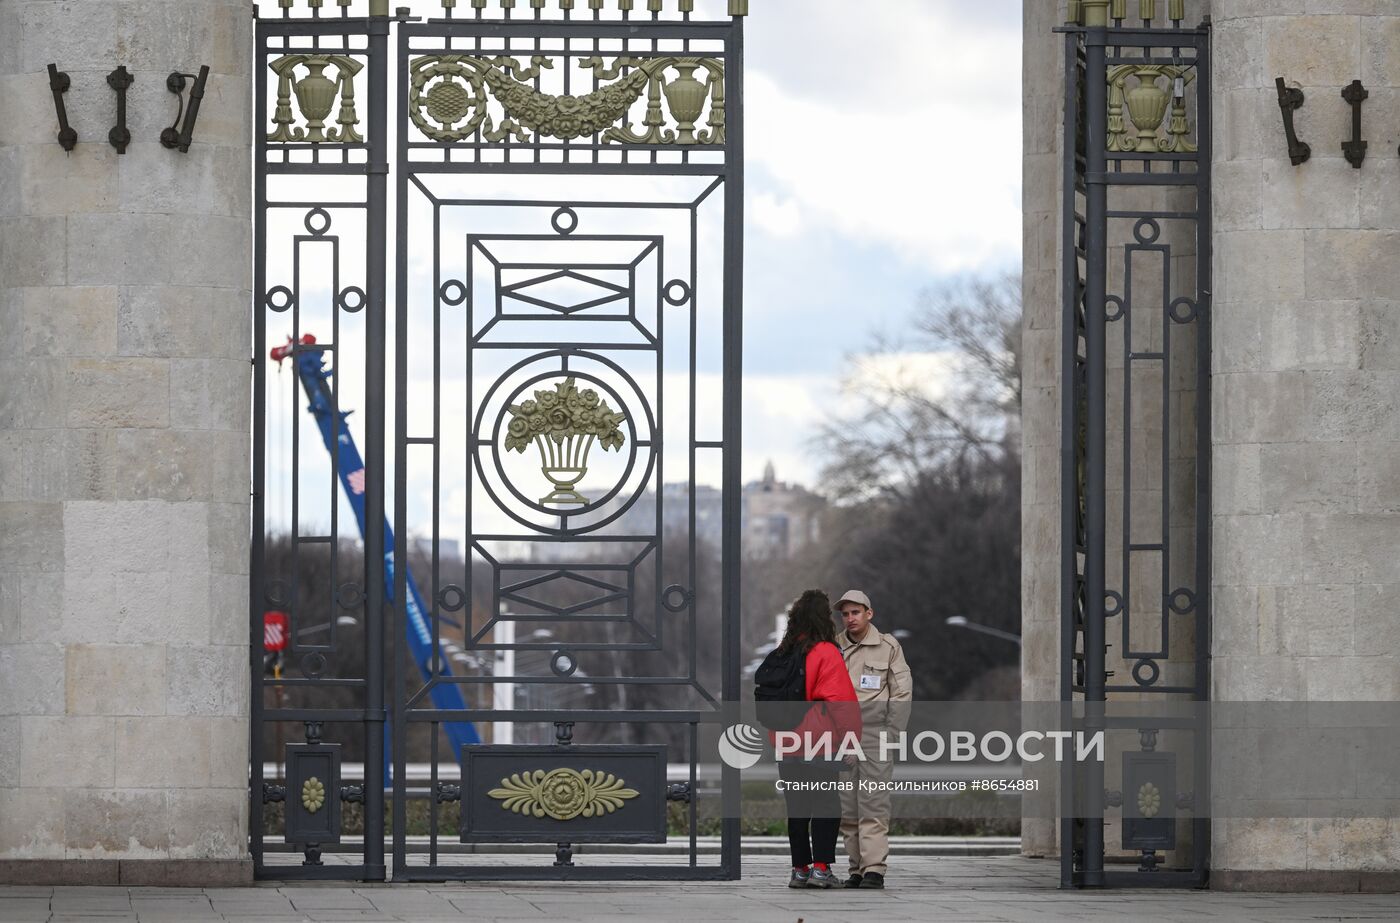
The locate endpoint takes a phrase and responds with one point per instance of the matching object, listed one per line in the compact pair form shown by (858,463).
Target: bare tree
(947,392)
(926,475)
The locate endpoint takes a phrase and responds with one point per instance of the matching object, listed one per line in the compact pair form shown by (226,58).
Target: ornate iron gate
(1136,440)
(547,618)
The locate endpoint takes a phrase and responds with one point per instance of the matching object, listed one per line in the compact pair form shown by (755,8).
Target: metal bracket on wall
(1355,149)
(59,83)
(1290,100)
(119,80)
(178,135)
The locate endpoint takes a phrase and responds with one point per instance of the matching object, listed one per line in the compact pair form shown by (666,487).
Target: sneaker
(854,880)
(821,878)
(799,878)
(872,880)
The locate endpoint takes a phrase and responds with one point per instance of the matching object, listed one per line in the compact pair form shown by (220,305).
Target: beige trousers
(865,817)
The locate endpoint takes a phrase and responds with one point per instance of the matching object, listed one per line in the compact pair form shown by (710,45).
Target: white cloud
(900,128)
(781,218)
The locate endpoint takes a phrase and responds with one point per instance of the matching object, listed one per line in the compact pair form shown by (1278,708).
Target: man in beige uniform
(884,688)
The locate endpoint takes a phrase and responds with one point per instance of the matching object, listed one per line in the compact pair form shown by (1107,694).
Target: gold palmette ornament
(564,423)
(562,794)
(313,795)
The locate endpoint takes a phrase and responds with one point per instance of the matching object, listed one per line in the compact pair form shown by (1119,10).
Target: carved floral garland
(457,102)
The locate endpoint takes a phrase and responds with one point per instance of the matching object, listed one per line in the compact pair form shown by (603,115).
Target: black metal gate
(544,372)
(1136,442)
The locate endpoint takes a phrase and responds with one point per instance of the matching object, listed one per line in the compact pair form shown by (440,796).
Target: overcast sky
(883,157)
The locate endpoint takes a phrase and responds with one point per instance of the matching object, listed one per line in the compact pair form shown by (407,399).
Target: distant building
(449,549)
(777,519)
(780,519)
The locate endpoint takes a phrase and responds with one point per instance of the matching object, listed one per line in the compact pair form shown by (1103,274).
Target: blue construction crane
(310,366)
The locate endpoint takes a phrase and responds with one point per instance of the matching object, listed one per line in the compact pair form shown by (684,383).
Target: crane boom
(309,362)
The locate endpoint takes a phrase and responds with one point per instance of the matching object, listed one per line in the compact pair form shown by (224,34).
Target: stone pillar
(1306,400)
(1043,125)
(124,426)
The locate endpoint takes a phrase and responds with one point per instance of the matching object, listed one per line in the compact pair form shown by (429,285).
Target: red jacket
(828,681)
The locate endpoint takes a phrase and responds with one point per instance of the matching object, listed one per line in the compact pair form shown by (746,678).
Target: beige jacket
(884,685)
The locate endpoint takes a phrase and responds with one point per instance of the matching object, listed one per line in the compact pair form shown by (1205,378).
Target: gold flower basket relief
(562,794)
(564,424)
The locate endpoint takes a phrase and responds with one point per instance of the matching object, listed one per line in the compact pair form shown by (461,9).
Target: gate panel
(316,602)
(548,621)
(1135,437)
(567,390)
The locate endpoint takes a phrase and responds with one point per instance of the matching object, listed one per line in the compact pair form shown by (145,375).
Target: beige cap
(854,596)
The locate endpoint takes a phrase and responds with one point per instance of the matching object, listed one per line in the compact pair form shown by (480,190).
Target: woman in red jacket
(811,793)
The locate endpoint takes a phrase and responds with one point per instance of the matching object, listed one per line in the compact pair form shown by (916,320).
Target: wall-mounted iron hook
(1290,100)
(178,135)
(59,83)
(120,136)
(1355,149)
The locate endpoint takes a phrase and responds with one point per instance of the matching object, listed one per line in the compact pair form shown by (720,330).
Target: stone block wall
(1306,398)
(124,426)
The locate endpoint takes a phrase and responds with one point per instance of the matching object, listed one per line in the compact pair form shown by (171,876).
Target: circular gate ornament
(445,91)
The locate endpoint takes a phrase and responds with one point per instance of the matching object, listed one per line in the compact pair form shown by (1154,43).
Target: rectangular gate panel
(573,794)
(562,358)
(567,409)
(1135,438)
(316,586)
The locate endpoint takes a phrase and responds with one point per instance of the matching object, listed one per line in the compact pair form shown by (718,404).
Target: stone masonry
(1306,382)
(124,426)
(1306,394)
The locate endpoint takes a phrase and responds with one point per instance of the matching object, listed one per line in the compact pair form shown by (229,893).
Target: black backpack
(781,678)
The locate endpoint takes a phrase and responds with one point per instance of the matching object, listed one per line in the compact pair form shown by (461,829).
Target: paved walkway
(956,890)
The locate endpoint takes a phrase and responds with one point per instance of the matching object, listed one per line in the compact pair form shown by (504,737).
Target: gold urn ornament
(1147,107)
(686,97)
(316,95)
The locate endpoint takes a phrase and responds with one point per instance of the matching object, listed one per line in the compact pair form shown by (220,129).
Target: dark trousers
(814,816)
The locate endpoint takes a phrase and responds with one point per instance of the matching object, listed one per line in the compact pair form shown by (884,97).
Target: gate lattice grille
(566,204)
(1135,457)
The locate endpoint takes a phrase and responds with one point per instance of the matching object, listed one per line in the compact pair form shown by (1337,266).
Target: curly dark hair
(809,621)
